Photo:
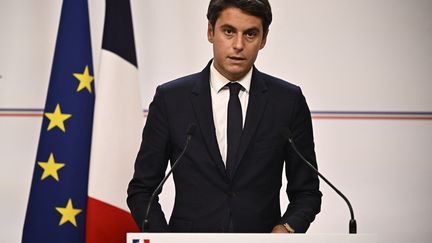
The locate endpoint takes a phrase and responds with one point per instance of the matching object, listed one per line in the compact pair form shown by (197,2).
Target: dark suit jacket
(206,198)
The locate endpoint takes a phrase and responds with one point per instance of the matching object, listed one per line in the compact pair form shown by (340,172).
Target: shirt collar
(218,81)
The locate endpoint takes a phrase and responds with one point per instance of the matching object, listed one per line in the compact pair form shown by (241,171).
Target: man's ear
(264,40)
(210,32)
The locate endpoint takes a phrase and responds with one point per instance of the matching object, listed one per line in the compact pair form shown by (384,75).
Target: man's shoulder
(186,83)
(181,82)
(276,83)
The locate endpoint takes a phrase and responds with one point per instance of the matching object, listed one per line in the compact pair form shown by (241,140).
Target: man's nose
(238,43)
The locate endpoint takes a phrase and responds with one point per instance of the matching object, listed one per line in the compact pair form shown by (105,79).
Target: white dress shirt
(220,95)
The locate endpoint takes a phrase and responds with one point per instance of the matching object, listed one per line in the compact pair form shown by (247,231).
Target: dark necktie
(234,126)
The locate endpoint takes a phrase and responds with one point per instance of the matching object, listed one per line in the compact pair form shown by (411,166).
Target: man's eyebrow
(228,26)
(232,27)
(253,29)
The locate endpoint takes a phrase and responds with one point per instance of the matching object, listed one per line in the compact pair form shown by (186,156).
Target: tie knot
(234,88)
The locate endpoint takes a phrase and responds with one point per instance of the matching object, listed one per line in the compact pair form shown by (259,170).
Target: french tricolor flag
(117,126)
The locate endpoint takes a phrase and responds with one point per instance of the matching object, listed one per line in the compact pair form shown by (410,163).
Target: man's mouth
(234,58)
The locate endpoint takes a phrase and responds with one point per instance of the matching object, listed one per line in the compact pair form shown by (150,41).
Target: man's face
(237,38)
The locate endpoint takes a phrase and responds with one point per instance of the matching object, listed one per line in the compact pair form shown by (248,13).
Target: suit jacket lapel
(202,104)
(256,106)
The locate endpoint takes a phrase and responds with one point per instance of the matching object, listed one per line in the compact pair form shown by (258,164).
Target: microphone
(352,223)
(189,132)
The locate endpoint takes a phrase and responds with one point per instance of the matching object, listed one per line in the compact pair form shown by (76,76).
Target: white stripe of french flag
(117,126)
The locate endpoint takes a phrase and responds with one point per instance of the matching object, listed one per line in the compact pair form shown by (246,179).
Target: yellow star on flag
(57,118)
(85,80)
(50,168)
(68,213)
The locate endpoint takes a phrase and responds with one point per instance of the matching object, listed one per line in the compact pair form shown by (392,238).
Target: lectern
(249,238)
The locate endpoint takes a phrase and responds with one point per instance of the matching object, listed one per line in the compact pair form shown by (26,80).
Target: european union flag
(58,197)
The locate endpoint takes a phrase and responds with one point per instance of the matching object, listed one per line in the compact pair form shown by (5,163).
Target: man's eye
(228,32)
(251,34)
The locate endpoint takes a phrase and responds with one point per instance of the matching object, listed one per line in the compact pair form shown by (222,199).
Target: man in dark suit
(229,179)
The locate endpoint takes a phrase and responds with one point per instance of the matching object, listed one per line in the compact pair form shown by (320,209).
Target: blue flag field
(58,197)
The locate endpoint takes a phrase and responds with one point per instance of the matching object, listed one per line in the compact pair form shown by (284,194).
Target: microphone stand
(352,222)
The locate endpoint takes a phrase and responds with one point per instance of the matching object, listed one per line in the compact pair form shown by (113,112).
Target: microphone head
(191,129)
(287,134)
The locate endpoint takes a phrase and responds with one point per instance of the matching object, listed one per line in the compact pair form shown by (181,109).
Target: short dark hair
(258,8)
